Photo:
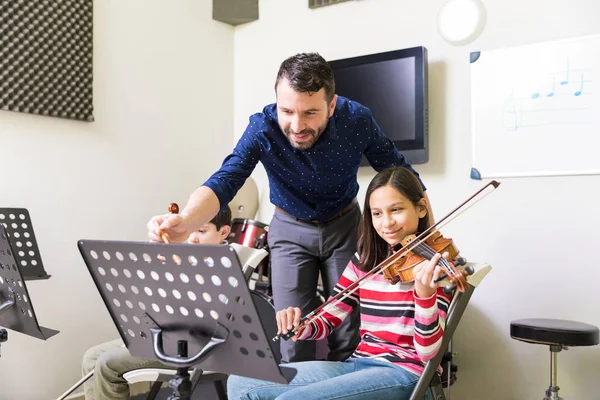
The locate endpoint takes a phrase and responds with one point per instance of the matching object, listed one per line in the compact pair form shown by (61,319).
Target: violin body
(401,269)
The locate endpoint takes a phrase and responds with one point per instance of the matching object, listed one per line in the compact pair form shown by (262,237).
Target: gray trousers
(301,250)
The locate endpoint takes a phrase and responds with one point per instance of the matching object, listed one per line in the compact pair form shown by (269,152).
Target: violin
(402,262)
(173,209)
(401,268)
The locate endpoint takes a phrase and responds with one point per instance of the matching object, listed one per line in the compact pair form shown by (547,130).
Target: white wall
(163,97)
(538,233)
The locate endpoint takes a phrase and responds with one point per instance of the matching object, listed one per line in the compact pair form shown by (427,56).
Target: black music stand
(19,229)
(168,300)
(16,308)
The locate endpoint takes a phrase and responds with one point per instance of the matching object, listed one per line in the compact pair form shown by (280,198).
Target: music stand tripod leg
(76,385)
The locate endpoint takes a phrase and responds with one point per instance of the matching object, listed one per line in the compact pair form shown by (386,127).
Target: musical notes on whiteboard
(550,104)
(551,91)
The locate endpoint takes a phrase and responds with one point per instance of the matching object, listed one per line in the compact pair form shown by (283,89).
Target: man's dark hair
(222,218)
(308,72)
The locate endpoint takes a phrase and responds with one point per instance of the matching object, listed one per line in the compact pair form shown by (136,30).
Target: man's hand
(175,227)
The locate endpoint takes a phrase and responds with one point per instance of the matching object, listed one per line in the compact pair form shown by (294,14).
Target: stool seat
(554,332)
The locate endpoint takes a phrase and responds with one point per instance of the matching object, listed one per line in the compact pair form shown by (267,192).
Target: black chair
(430,380)
(559,335)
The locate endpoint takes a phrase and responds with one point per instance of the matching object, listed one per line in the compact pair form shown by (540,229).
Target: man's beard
(314,136)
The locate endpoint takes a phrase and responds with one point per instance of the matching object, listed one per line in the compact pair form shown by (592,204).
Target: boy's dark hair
(372,249)
(222,218)
(308,72)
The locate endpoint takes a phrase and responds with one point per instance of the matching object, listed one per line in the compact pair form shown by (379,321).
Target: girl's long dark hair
(372,249)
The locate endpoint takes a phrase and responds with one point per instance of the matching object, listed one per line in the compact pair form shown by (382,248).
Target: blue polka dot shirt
(312,184)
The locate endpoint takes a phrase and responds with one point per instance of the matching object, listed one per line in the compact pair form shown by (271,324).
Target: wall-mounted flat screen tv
(393,85)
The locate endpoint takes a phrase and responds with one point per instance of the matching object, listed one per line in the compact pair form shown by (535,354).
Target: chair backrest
(455,313)
(249,258)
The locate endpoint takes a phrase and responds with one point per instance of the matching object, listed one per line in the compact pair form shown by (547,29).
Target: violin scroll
(173,208)
(469,270)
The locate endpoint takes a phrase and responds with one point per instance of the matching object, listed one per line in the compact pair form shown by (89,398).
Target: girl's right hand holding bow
(288,319)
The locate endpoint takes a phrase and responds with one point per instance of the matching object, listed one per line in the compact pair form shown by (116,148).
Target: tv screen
(393,85)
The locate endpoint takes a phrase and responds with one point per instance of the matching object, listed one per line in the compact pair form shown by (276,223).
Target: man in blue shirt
(311,143)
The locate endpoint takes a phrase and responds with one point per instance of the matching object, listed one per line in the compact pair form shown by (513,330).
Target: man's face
(209,234)
(302,116)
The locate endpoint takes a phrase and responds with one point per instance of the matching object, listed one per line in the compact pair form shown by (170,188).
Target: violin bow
(389,261)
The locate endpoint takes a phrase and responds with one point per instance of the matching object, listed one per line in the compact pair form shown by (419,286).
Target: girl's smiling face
(395,216)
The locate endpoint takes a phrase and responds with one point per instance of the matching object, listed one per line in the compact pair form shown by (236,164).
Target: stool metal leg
(552,391)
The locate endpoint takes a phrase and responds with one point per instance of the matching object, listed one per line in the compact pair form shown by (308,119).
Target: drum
(250,233)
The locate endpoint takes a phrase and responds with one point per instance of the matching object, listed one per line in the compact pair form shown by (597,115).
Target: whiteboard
(535,109)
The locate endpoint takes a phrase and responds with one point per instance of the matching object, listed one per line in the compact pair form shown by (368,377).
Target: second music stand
(19,230)
(16,308)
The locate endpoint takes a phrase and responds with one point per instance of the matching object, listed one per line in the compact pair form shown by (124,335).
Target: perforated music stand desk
(19,228)
(186,292)
(16,308)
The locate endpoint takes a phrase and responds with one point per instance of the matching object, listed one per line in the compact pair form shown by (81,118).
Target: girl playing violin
(401,325)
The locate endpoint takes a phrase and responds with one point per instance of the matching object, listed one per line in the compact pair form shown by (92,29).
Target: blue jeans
(355,378)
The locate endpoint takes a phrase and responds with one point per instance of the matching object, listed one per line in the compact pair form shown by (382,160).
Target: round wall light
(461,21)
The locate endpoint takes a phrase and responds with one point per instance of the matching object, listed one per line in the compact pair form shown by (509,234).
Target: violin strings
(428,253)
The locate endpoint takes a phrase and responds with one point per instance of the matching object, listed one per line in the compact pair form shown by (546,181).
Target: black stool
(559,335)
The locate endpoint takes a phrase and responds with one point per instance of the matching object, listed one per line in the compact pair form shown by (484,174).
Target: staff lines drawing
(540,107)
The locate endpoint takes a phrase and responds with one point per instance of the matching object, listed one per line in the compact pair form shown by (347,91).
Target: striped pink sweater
(395,325)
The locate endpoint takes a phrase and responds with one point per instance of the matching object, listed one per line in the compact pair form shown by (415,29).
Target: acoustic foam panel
(46,49)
